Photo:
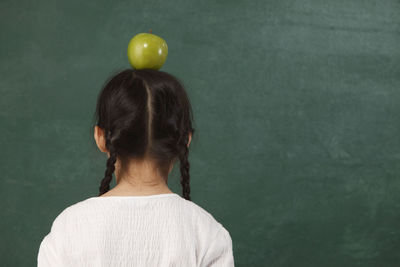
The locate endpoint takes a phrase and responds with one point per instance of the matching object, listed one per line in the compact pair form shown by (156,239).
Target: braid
(105,183)
(184,168)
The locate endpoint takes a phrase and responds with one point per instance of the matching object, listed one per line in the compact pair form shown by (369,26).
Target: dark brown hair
(145,113)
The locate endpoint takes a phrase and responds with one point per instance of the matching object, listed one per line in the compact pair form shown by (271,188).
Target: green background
(296,107)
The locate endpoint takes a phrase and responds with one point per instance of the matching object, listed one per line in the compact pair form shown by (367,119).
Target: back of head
(145,114)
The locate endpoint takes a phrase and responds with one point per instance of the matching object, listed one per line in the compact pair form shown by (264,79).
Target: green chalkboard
(296,107)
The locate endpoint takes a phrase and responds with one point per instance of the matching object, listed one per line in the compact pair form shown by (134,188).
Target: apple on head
(147,51)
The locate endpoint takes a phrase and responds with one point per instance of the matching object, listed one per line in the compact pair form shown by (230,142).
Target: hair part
(145,114)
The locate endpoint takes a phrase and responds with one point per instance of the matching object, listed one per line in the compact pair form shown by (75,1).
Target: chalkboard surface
(296,107)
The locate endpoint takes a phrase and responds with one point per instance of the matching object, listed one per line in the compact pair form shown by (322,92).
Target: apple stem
(150,31)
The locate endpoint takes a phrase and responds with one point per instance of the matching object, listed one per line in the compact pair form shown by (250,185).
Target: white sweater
(155,230)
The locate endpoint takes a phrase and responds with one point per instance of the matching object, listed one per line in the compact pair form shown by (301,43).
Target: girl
(144,124)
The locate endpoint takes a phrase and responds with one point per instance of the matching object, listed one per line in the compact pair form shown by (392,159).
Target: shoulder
(203,220)
(200,212)
(54,246)
(70,213)
(215,242)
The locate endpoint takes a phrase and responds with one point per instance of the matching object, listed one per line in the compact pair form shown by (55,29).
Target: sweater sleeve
(220,252)
(50,248)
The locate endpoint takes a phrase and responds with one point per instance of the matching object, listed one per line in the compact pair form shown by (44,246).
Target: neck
(139,179)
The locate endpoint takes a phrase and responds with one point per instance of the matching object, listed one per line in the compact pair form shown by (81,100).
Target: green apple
(147,51)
